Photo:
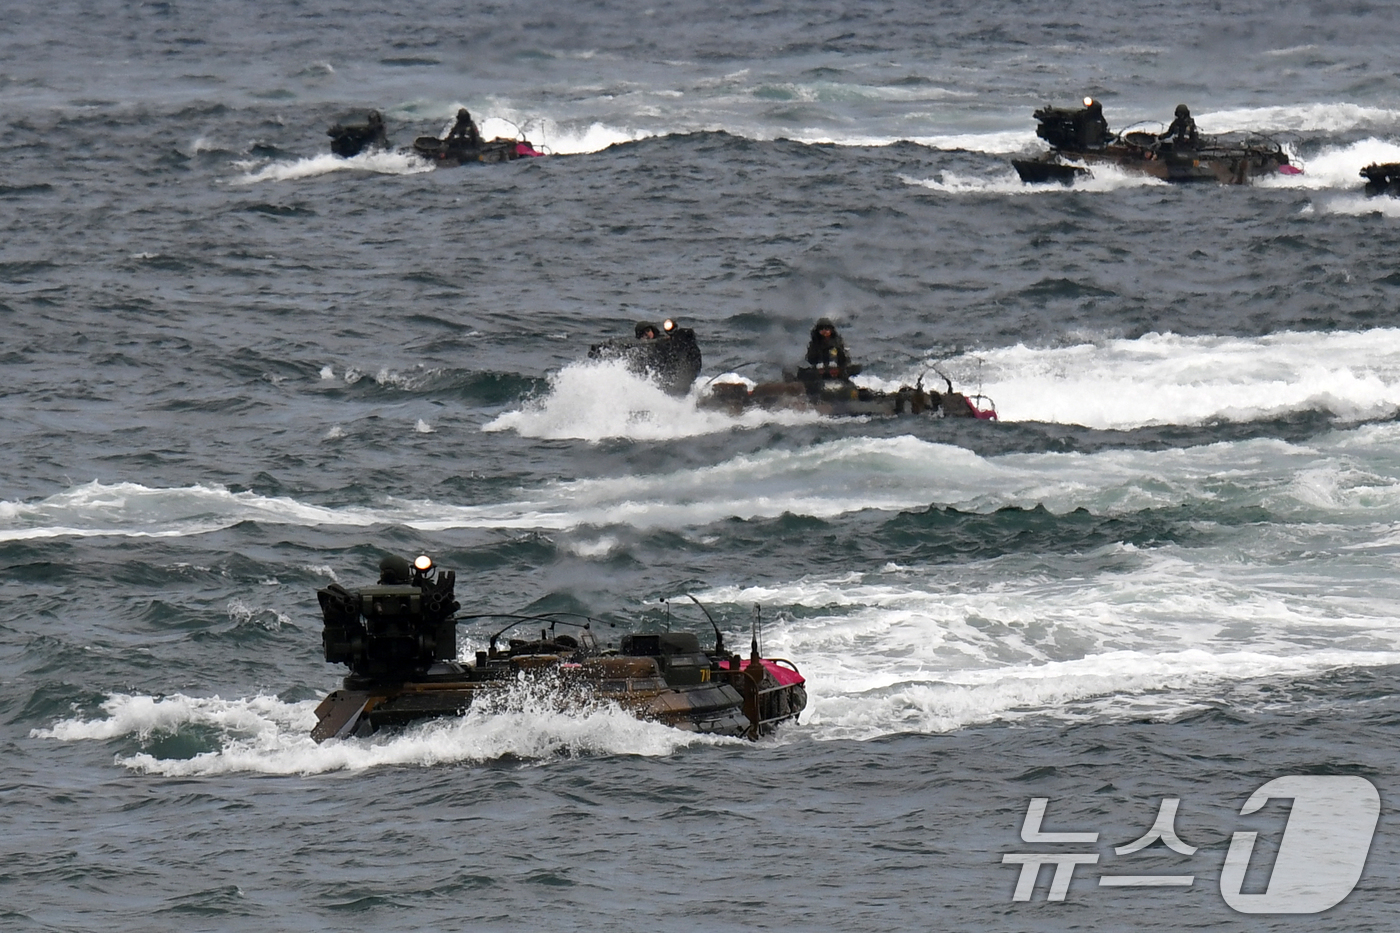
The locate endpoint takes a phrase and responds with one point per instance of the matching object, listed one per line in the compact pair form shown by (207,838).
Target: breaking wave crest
(1161,379)
(1347,476)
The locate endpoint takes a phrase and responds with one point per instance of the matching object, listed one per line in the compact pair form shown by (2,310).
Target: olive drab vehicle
(1080,140)
(352,139)
(398,637)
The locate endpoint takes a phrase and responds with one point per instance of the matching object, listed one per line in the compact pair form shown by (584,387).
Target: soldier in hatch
(826,351)
(646,330)
(1091,125)
(376,127)
(464,133)
(1183,129)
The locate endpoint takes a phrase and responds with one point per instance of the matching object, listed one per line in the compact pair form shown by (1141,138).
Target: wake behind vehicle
(1079,140)
(399,639)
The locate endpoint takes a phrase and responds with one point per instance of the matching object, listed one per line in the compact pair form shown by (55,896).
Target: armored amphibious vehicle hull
(445,153)
(807,391)
(351,140)
(1078,145)
(1218,163)
(746,700)
(399,640)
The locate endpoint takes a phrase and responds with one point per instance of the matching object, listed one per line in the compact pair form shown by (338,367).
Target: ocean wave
(1336,117)
(1116,687)
(1346,477)
(1116,633)
(1162,379)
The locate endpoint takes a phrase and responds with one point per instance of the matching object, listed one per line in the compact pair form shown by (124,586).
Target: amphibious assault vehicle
(399,639)
(351,139)
(1077,143)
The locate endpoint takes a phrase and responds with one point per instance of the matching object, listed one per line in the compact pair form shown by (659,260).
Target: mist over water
(240,368)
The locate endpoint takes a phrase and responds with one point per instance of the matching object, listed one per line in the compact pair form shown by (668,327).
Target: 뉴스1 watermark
(1320,858)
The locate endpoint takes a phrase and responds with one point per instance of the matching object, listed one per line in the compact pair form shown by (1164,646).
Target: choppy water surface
(239,368)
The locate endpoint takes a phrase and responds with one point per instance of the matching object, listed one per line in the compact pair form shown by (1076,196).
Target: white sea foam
(1100,179)
(1100,635)
(1360,205)
(1115,686)
(1168,379)
(142,716)
(244,614)
(1338,167)
(389,379)
(595,549)
(133,510)
(263,734)
(1350,477)
(1313,118)
(379,162)
(568,139)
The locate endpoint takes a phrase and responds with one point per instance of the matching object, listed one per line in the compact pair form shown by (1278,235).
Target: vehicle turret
(671,358)
(395,629)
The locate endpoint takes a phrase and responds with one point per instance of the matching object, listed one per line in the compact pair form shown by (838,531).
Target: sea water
(238,368)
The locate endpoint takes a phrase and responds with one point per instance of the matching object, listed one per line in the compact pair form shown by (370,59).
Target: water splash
(1102,178)
(379,162)
(530,719)
(597,400)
